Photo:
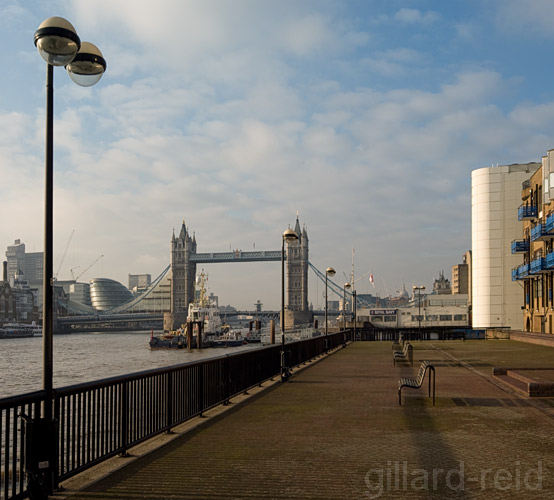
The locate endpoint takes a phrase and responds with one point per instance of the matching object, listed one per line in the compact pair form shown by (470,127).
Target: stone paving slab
(336,431)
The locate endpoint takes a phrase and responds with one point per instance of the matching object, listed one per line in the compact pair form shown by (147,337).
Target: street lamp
(288,236)
(419,289)
(354,312)
(328,272)
(345,287)
(59,45)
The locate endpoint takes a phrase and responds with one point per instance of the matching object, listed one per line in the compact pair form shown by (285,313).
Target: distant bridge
(236,256)
(148,308)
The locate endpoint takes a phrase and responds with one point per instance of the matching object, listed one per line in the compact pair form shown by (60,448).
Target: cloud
(534,16)
(234,115)
(414,16)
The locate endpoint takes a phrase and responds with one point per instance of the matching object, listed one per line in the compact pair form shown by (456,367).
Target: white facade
(495,198)
(435,311)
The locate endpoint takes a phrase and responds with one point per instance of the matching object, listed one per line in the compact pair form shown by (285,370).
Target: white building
(495,197)
(434,311)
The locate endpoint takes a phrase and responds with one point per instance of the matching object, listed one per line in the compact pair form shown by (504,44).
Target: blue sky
(366,117)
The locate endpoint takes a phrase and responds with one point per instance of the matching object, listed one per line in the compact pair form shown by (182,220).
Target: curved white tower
(495,197)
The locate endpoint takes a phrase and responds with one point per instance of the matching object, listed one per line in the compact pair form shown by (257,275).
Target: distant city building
(106,294)
(495,197)
(533,275)
(80,292)
(7,299)
(460,277)
(436,310)
(18,301)
(138,283)
(29,265)
(402,299)
(441,286)
(26,300)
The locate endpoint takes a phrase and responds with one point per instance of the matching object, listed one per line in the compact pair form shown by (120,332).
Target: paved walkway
(336,431)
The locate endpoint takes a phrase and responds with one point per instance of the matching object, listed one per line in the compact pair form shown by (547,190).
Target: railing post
(124,415)
(227,379)
(59,447)
(201,388)
(169,406)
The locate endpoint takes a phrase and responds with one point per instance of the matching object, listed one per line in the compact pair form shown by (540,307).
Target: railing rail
(101,419)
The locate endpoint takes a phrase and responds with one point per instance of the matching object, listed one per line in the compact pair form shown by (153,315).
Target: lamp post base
(285,370)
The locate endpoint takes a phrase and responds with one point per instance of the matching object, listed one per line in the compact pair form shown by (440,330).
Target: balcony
(538,265)
(549,224)
(536,232)
(550,260)
(520,246)
(521,272)
(527,212)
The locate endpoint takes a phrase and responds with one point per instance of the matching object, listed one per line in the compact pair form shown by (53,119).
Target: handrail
(98,420)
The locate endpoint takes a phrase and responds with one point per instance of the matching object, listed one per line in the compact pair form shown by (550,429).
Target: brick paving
(336,431)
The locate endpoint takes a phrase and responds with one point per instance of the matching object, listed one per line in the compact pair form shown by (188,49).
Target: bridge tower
(182,278)
(297,312)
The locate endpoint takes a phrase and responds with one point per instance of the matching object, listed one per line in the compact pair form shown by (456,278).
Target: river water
(84,357)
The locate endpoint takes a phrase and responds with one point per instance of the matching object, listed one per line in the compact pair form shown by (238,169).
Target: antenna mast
(352,275)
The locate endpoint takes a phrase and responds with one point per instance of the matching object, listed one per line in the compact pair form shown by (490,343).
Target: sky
(364,117)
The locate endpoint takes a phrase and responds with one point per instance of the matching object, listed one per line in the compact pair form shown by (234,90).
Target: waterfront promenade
(336,431)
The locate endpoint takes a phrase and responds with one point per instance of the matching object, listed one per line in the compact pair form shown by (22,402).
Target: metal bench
(407,352)
(416,383)
(398,344)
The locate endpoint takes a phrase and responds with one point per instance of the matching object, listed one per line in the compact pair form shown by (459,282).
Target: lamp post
(354,312)
(288,236)
(59,45)
(345,287)
(328,272)
(419,289)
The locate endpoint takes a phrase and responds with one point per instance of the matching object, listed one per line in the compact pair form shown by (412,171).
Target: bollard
(199,336)
(189,335)
(272,331)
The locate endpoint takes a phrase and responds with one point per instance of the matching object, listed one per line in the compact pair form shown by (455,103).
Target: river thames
(84,357)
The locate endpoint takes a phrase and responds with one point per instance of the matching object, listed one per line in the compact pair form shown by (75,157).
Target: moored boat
(229,339)
(171,340)
(202,311)
(18,330)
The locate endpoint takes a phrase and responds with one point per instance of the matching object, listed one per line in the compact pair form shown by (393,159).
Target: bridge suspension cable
(131,304)
(338,289)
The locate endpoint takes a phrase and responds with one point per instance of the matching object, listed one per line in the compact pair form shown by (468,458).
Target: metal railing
(423,333)
(101,419)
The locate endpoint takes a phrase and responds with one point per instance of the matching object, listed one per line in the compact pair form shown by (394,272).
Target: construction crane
(64,254)
(72,273)
(83,272)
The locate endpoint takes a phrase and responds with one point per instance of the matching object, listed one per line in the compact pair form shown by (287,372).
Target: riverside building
(495,197)
(534,273)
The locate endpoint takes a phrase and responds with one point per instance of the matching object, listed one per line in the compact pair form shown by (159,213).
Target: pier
(336,431)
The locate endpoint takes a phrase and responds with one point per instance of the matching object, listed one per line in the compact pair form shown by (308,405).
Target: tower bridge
(166,300)
(236,256)
(184,258)
(174,289)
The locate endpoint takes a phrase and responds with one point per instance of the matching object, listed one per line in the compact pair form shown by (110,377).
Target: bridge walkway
(336,431)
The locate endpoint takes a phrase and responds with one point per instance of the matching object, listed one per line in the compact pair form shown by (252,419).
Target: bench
(416,383)
(407,352)
(398,344)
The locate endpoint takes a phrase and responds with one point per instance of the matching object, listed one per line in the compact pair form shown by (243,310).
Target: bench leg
(432,373)
(433,387)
